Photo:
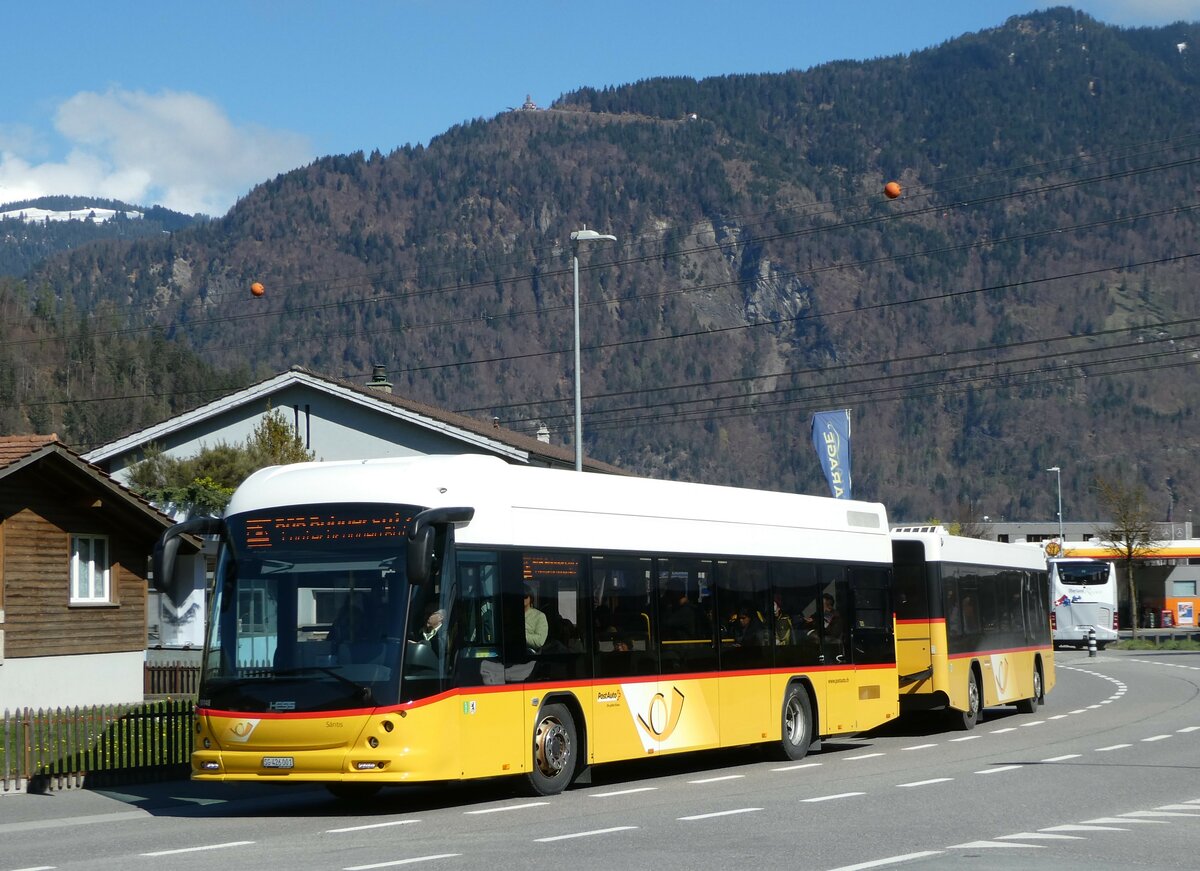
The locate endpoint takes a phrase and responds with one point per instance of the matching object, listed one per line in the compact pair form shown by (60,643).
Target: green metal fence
(67,747)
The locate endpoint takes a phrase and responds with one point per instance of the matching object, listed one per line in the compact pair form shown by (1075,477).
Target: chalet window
(89,569)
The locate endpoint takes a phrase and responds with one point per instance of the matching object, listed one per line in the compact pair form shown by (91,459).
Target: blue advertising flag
(831,438)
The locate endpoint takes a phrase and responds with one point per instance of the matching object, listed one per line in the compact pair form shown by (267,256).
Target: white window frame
(91,584)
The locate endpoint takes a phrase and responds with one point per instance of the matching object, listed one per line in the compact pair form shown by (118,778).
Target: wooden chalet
(74,554)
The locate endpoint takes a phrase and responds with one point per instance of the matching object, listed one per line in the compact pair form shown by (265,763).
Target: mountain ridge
(759,273)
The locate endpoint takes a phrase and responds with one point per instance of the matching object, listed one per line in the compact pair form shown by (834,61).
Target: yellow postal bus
(438,618)
(972,624)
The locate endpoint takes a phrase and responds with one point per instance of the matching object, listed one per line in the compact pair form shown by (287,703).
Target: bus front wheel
(555,751)
(797,723)
(966,720)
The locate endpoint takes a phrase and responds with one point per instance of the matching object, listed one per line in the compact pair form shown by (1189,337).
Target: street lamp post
(1062,542)
(577,236)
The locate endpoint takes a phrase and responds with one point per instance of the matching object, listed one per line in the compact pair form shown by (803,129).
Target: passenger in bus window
(783,623)
(829,620)
(536,626)
(970,615)
(681,619)
(750,632)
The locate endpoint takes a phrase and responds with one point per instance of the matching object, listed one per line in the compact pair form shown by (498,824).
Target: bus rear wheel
(1029,706)
(966,720)
(555,751)
(797,723)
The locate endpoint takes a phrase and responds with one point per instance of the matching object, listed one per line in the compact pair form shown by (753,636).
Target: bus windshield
(309,610)
(1083,574)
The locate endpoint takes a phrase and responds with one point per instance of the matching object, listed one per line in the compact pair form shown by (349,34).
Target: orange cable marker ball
(257,289)
(891,190)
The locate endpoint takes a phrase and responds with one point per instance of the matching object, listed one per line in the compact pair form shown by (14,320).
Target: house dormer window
(89,570)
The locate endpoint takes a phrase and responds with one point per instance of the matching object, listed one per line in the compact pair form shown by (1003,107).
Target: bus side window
(623,610)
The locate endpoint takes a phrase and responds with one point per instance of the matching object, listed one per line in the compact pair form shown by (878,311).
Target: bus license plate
(278,762)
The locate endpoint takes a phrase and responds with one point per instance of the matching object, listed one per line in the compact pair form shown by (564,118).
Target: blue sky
(189,105)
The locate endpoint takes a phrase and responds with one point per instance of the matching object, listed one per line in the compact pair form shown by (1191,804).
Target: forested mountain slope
(1028,301)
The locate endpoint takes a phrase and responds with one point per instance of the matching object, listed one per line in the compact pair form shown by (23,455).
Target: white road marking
(998,769)
(798,767)
(371,826)
(198,849)
(411,861)
(977,845)
(1178,807)
(926,782)
(1034,723)
(890,860)
(1078,711)
(832,797)
(1082,828)
(1112,747)
(1002,731)
(1059,717)
(1039,836)
(967,738)
(741,810)
(1188,729)
(1062,758)
(861,756)
(508,807)
(919,747)
(584,834)
(1108,821)
(1157,738)
(718,779)
(623,792)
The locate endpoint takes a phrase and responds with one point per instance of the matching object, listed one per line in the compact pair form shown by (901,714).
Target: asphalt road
(1105,776)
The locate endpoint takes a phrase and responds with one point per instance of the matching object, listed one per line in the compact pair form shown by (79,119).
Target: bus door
(873,643)
(491,732)
(915,643)
(841,685)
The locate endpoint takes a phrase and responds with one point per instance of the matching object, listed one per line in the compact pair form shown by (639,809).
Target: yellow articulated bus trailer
(972,624)
(438,618)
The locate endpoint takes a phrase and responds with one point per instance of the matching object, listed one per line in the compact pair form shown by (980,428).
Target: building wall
(39,620)
(72,681)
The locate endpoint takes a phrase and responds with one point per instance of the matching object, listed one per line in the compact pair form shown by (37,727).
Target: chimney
(379,380)
(543,434)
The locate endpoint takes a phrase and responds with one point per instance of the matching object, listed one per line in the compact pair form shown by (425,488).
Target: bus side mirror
(422,536)
(420,555)
(166,551)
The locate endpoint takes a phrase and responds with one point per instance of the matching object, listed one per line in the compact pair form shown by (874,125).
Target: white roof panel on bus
(525,506)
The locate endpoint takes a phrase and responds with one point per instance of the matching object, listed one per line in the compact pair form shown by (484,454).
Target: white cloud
(177,150)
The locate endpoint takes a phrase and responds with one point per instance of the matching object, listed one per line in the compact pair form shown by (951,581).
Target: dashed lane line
(798,767)
(984,845)
(925,782)
(507,807)
(1112,747)
(199,849)
(998,769)
(396,862)
(890,860)
(1063,758)
(370,826)
(831,797)
(741,810)
(623,792)
(589,834)
(719,779)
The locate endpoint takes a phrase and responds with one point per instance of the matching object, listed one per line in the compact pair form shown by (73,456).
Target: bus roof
(526,506)
(940,545)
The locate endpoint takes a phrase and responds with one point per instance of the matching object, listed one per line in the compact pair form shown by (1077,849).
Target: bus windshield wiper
(363,693)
